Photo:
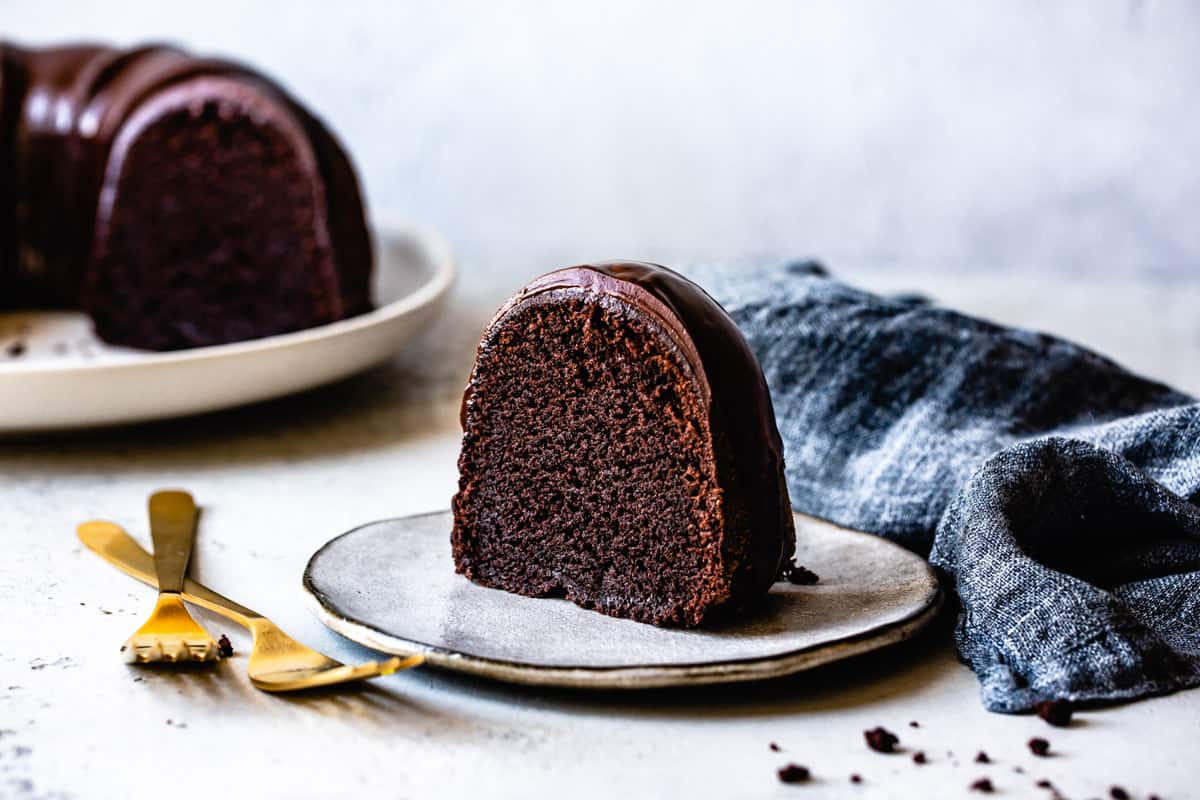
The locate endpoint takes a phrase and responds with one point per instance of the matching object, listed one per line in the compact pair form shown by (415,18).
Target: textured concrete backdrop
(930,137)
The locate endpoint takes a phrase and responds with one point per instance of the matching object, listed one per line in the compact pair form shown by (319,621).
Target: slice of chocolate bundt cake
(620,450)
(180,201)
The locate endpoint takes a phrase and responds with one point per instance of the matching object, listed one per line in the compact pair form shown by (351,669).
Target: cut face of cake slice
(179,201)
(620,450)
(225,152)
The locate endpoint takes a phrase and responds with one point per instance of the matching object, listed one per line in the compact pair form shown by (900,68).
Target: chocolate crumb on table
(914,724)
(794,773)
(881,740)
(1118,793)
(919,757)
(982,758)
(224,647)
(774,747)
(1055,712)
(15,350)
(1039,746)
(983,785)
(856,778)
(1044,784)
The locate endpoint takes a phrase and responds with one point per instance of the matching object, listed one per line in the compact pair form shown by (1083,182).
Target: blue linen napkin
(1056,492)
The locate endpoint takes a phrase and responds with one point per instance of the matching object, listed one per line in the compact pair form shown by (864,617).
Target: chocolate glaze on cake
(620,449)
(180,201)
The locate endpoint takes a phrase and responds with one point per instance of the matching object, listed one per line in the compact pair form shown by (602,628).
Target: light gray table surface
(277,480)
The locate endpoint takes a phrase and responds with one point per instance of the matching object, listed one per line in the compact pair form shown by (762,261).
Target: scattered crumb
(982,758)
(914,724)
(1118,793)
(15,350)
(1056,712)
(1039,746)
(856,778)
(798,574)
(64,662)
(225,648)
(881,740)
(919,757)
(983,785)
(175,724)
(794,773)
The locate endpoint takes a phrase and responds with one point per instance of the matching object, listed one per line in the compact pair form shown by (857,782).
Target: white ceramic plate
(55,373)
(391,586)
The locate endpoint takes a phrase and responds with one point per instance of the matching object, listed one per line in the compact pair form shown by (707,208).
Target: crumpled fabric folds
(1056,492)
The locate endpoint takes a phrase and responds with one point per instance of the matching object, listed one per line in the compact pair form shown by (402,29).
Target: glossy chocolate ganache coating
(743,444)
(91,138)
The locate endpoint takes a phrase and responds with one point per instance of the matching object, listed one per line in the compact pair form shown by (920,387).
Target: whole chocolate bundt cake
(620,449)
(179,201)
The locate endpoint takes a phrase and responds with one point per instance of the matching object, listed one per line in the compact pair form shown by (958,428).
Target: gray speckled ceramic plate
(391,585)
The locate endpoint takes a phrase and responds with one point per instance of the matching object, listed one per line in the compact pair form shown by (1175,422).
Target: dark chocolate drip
(60,111)
(739,400)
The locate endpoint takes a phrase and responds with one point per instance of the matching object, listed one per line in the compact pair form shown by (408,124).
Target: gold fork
(278,663)
(171,634)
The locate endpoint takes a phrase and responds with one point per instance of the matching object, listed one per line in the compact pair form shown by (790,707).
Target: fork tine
(171,634)
(288,666)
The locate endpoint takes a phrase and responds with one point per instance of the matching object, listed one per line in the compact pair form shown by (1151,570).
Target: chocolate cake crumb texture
(794,773)
(983,785)
(1055,712)
(1039,746)
(881,740)
(619,451)
(224,646)
(229,212)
